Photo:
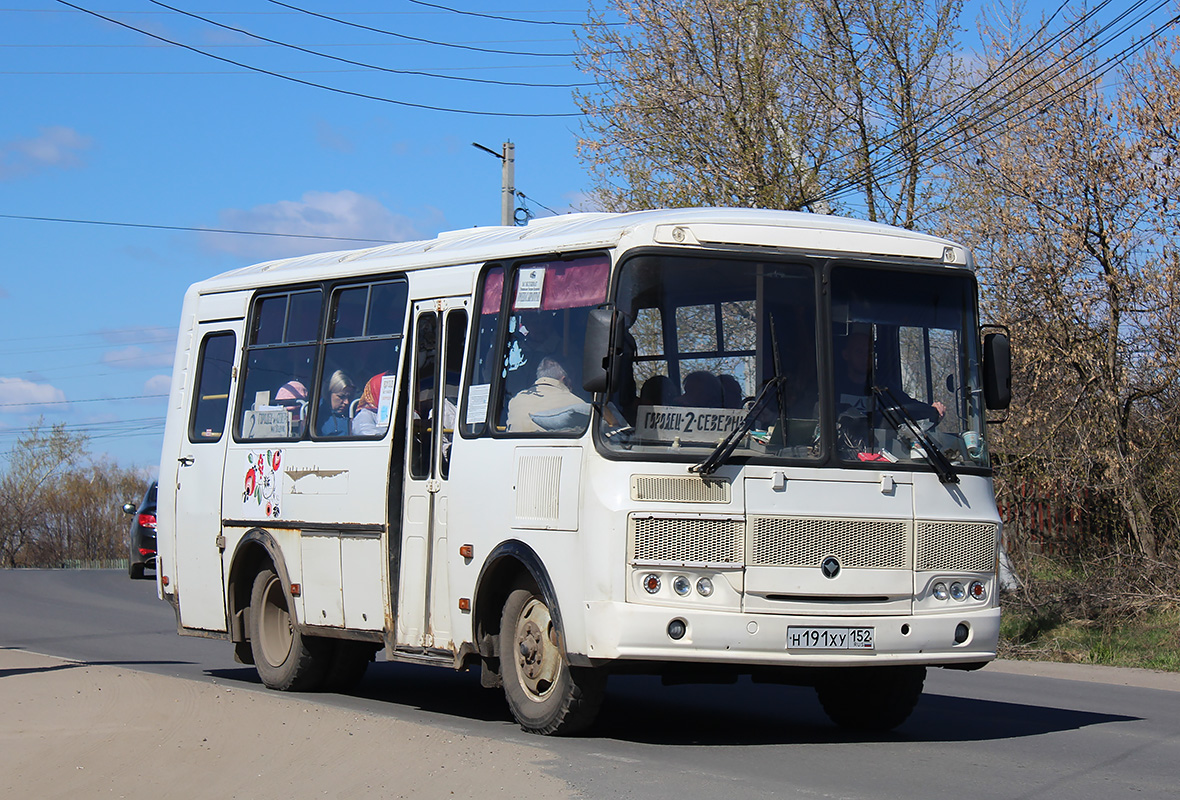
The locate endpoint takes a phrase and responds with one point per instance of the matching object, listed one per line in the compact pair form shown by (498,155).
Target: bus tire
(546,695)
(348,665)
(876,699)
(285,659)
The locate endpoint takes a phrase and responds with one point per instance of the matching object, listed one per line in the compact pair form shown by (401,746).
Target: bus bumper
(636,632)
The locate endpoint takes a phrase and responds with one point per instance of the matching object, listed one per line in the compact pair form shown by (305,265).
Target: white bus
(697,443)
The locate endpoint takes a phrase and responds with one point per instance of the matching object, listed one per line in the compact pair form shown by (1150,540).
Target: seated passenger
(333,416)
(658,390)
(293,395)
(731,391)
(548,404)
(702,390)
(365,421)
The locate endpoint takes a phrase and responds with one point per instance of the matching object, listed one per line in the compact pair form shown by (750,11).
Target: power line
(191,229)
(1010,107)
(363,64)
(138,330)
(499,17)
(88,400)
(260,70)
(416,38)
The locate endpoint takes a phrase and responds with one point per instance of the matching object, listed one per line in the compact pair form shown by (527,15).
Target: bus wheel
(285,659)
(545,693)
(348,665)
(871,698)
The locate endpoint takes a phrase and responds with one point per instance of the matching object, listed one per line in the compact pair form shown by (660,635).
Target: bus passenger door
(198,580)
(424,605)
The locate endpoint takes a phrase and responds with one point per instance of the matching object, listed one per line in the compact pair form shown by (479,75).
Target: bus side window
(214,369)
(280,363)
(484,360)
(456,335)
(361,354)
(422,399)
(541,374)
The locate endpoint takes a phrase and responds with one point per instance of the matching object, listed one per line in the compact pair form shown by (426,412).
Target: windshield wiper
(938,460)
(725,448)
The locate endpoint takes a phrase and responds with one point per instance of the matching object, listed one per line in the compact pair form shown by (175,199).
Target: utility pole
(507,181)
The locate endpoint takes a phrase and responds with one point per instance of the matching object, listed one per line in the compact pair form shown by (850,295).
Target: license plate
(799,638)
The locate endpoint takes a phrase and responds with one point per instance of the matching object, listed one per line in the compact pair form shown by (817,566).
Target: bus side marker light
(164,580)
(652,583)
(467,550)
(464,603)
(296,590)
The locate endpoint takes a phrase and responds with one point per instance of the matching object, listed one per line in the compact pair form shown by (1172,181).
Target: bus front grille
(692,540)
(806,541)
(958,546)
(679,489)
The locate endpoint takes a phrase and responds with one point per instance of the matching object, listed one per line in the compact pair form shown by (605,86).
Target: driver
(854,390)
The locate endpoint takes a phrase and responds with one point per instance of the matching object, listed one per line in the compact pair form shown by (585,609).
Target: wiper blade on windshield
(938,460)
(725,448)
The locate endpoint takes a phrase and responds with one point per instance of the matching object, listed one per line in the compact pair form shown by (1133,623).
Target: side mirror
(129,508)
(604,334)
(997,371)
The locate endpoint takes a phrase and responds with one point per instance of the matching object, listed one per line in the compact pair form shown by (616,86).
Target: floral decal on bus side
(261,484)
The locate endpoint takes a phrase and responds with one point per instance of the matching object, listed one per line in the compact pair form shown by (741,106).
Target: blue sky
(103,123)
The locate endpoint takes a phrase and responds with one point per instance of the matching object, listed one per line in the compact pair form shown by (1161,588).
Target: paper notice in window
(477,404)
(385,403)
(528,289)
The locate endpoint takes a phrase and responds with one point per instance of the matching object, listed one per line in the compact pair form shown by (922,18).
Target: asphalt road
(990,734)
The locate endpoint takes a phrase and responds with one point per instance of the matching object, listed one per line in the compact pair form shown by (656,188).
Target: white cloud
(157,384)
(340,214)
(56,146)
(19,396)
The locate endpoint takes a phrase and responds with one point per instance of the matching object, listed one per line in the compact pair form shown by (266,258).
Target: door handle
(186,461)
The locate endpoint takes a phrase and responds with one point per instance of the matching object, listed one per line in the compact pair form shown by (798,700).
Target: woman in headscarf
(365,421)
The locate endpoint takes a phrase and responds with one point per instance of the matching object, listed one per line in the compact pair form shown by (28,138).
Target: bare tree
(1064,206)
(787,104)
(36,463)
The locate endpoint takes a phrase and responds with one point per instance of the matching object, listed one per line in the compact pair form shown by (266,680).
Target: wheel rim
(274,624)
(538,658)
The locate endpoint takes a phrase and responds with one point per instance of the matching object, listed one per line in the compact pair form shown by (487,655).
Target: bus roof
(788,230)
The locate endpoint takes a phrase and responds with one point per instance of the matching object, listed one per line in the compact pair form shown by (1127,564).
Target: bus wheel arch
(518,625)
(254,552)
(510,564)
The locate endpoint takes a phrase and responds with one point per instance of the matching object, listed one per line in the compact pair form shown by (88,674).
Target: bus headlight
(681,586)
(958,591)
(940,592)
(704,587)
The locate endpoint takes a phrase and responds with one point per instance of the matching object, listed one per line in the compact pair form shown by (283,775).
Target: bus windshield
(710,339)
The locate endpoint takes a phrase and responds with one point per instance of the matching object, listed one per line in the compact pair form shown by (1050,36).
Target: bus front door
(198,580)
(424,607)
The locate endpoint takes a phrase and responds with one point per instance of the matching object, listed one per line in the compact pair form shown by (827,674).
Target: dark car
(143,533)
